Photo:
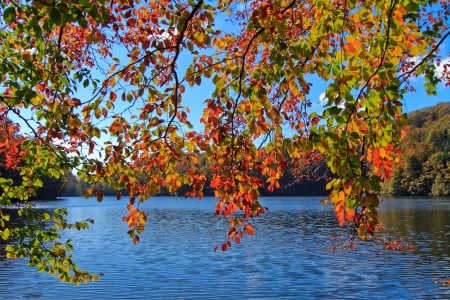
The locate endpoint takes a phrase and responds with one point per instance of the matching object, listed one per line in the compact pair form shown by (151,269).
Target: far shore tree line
(290,185)
(425,167)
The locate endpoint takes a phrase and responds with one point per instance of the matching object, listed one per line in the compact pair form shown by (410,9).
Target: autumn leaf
(248,228)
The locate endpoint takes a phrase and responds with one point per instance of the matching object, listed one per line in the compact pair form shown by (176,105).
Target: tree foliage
(113,89)
(45,188)
(299,179)
(425,168)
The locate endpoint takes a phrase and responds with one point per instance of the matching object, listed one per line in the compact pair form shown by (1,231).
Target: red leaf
(224,247)
(99,194)
(112,96)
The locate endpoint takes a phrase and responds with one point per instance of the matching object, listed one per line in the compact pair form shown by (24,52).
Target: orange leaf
(349,214)
(232,232)
(249,229)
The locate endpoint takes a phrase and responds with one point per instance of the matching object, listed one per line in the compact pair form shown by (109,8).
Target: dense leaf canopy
(132,93)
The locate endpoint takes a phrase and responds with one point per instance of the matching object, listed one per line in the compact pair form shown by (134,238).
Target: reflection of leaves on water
(426,227)
(442,281)
(397,245)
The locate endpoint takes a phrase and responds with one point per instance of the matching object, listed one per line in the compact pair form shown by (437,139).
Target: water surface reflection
(287,258)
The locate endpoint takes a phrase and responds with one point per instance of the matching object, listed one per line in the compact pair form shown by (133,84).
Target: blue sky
(420,99)
(411,101)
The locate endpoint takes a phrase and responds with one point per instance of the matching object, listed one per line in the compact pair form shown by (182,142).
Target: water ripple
(287,259)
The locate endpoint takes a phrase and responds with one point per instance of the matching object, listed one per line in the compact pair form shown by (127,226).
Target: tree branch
(408,73)
(180,38)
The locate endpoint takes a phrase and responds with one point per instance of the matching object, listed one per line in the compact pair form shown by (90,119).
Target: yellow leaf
(293,88)
(396,51)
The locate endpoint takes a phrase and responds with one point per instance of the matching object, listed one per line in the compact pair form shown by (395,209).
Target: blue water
(288,258)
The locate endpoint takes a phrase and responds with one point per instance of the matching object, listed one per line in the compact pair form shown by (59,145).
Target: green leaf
(82,22)
(55,16)
(47,26)
(9,15)
(4,234)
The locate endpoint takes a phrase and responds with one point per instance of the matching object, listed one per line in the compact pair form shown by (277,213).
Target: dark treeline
(289,186)
(51,188)
(71,185)
(425,168)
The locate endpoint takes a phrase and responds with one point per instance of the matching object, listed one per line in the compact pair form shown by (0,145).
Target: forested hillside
(425,168)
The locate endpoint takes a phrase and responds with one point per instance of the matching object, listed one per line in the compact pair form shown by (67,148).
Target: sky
(412,101)
(419,99)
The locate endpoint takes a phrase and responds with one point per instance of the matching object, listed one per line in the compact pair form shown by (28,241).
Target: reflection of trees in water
(427,228)
(316,229)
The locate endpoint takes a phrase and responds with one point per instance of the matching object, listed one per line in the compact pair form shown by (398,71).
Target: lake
(288,258)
